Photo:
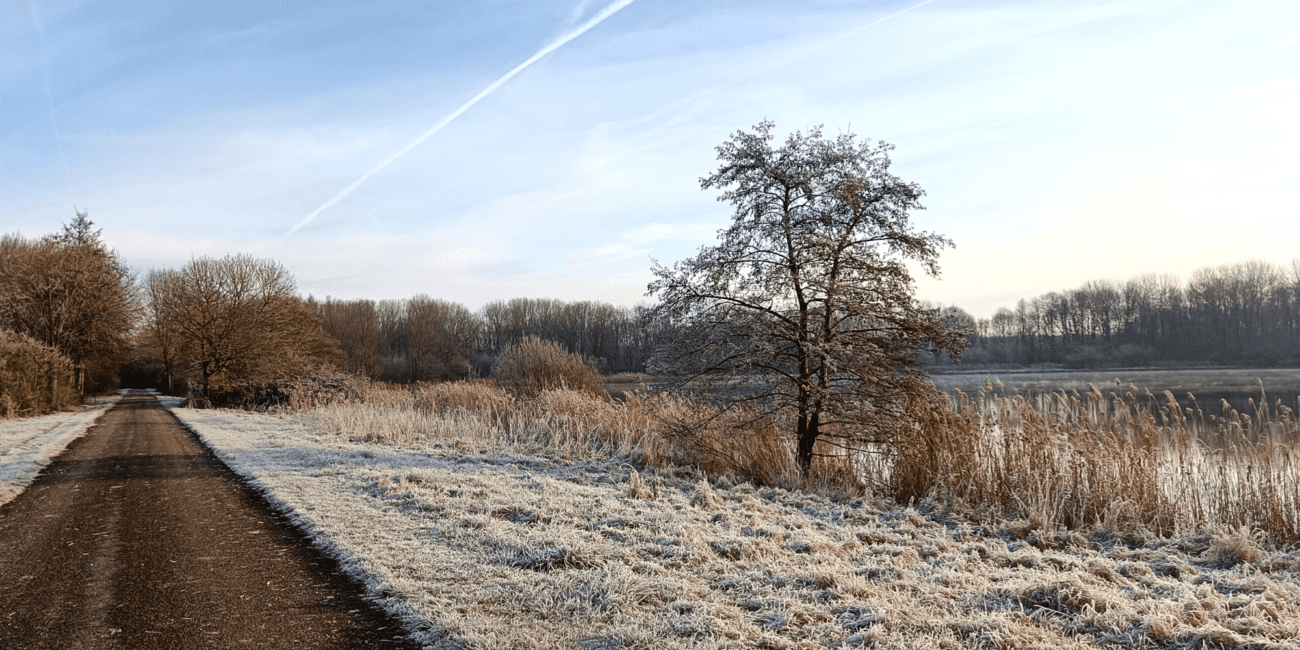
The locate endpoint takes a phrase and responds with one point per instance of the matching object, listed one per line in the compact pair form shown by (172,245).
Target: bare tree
(237,319)
(439,334)
(357,327)
(805,306)
(70,292)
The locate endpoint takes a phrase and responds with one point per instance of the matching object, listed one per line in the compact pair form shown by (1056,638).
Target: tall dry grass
(660,430)
(1131,463)
(1126,462)
(534,365)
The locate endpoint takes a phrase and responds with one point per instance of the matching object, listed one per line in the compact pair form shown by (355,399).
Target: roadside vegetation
(34,378)
(71,293)
(67,306)
(1135,466)
(234,329)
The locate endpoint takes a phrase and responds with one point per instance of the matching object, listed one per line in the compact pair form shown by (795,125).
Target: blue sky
(1058,141)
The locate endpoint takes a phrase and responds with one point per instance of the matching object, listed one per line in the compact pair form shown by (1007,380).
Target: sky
(479,151)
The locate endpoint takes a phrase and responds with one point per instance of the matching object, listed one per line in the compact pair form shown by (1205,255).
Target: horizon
(548,150)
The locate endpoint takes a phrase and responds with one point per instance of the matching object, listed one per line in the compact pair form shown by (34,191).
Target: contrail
(550,47)
(49,97)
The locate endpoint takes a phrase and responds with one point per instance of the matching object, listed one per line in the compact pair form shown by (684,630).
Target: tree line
(426,339)
(67,305)
(76,321)
(1240,313)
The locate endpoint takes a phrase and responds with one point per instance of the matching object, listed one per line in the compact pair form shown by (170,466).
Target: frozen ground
(28,444)
(487,548)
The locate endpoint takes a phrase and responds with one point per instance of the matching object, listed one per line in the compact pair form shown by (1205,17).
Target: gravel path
(136,537)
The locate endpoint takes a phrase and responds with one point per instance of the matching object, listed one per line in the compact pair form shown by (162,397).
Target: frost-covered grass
(484,542)
(28,444)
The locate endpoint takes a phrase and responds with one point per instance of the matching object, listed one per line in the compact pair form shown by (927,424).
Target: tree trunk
(51,384)
(207,379)
(807,430)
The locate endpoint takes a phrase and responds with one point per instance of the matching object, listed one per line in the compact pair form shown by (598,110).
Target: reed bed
(653,429)
(1131,463)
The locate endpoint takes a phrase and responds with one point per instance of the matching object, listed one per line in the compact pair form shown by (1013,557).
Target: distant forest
(425,339)
(1244,313)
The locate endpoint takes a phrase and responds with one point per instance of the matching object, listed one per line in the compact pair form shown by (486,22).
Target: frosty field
(28,444)
(481,544)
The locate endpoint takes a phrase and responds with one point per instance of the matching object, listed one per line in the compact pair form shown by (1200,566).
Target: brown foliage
(34,378)
(356,325)
(70,293)
(533,365)
(236,323)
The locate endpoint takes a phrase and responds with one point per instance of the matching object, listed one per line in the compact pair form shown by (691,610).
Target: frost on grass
(489,546)
(27,445)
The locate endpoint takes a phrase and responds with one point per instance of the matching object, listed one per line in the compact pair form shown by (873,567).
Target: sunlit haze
(490,150)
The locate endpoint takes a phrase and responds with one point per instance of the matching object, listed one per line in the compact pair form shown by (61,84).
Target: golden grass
(534,365)
(659,429)
(1129,464)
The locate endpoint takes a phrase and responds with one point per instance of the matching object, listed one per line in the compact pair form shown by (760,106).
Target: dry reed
(534,365)
(1130,463)
(661,430)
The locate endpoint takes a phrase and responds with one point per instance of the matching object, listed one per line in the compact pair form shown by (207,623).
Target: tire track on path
(137,537)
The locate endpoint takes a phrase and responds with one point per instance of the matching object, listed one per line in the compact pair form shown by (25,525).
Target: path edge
(417,628)
(58,438)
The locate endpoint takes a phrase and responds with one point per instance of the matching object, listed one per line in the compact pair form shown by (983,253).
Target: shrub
(34,378)
(533,365)
(477,396)
(299,391)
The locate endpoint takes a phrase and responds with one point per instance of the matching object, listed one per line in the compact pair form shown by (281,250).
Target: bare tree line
(1247,313)
(426,339)
(231,327)
(236,322)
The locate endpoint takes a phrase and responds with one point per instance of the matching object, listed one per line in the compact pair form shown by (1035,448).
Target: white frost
(27,445)
(502,549)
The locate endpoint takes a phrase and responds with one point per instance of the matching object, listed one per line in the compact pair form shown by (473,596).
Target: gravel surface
(136,537)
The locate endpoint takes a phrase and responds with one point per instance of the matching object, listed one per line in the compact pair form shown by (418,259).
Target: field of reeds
(1127,461)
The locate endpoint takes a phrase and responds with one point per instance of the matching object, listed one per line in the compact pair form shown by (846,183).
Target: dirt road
(136,537)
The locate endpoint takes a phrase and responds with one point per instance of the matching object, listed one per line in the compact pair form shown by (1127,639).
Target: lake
(1208,385)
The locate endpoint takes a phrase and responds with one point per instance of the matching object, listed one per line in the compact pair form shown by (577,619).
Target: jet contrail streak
(49,97)
(550,47)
